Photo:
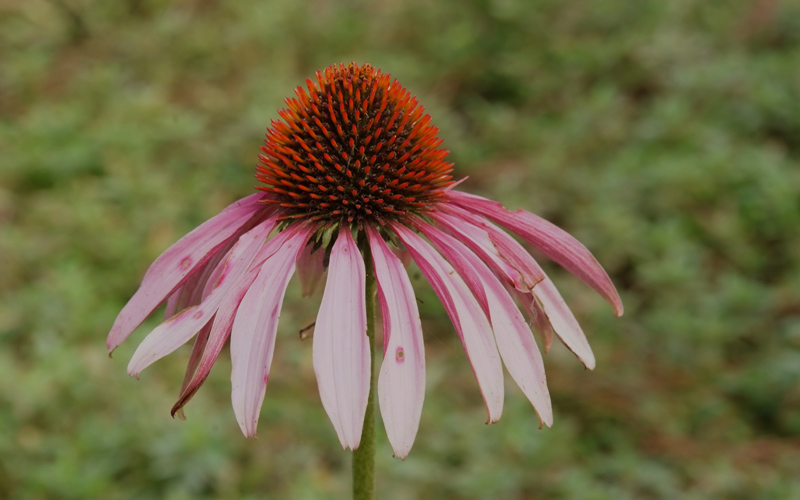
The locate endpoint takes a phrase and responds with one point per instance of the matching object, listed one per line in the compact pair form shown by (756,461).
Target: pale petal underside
(401,382)
(341,348)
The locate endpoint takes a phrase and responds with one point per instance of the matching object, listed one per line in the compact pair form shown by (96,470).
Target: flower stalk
(364,455)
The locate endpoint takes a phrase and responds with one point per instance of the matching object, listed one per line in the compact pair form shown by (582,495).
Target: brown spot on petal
(185,263)
(399,354)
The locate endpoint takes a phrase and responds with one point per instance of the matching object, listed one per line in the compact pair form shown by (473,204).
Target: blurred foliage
(664,135)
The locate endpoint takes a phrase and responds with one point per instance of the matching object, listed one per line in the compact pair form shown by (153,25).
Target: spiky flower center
(355,148)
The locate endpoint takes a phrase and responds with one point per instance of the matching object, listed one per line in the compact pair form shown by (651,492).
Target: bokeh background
(664,135)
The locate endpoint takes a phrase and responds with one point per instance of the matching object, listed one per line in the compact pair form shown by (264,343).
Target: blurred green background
(664,135)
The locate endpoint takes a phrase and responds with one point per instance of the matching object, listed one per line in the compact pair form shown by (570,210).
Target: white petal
(341,347)
(401,383)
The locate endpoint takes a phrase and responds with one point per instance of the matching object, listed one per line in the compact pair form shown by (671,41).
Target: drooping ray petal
(514,338)
(191,293)
(550,239)
(253,331)
(310,269)
(212,278)
(341,348)
(549,299)
(177,330)
(477,239)
(218,332)
(199,346)
(467,316)
(401,383)
(178,262)
(542,323)
(558,313)
(537,316)
(503,244)
(563,321)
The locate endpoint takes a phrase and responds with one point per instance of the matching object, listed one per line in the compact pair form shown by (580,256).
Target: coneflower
(354,175)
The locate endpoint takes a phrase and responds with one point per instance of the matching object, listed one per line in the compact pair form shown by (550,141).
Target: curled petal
(253,331)
(178,262)
(514,338)
(401,383)
(550,239)
(341,347)
(467,316)
(177,330)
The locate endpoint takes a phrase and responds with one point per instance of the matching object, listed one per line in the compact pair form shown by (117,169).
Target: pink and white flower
(353,169)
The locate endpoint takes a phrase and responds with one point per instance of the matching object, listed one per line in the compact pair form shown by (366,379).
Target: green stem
(364,455)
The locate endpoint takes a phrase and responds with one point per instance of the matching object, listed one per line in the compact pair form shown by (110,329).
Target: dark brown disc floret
(355,147)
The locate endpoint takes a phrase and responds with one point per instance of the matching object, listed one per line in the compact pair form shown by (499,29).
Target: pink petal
(401,383)
(172,304)
(514,338)
(191,293)
(223,322)
(212,279)
(177,330)
(178,262)
(538,317)
(199,346)
(253,331)
(556,310)
(341,347)
(217,333)
(550,239)
(563,321)
(478,240)
(310,269)
(467,316)
(504,245)
(549,299)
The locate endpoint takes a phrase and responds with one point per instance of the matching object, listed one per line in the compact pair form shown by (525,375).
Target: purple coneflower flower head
(353,168)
